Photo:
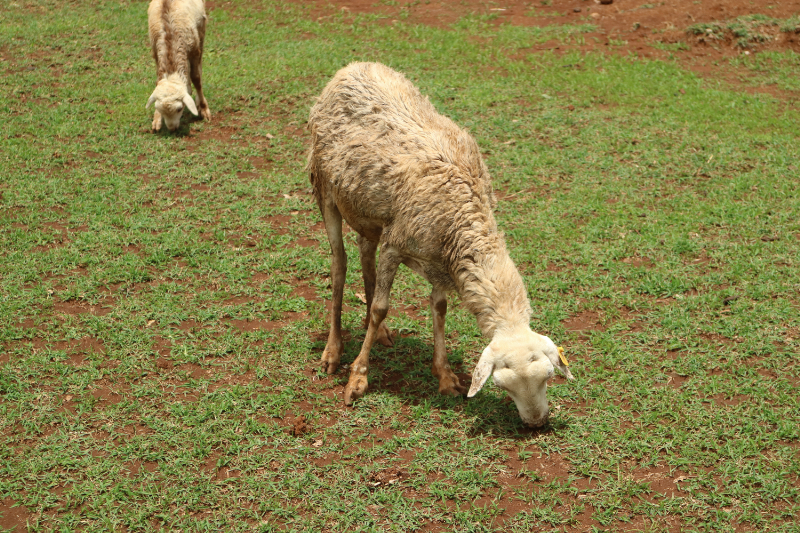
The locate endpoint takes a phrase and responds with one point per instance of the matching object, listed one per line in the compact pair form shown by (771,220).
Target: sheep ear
(189,103)
(150,100)
(563,364)
(482,371)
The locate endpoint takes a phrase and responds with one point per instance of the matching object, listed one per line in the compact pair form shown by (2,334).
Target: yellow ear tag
(561,355)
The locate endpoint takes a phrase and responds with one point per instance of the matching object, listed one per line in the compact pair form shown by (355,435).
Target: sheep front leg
(196,67)
(448,381)
(366,250)
(387,268)
(156,121)
(333,225)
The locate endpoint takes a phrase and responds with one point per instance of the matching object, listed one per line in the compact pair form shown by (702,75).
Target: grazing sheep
(409,179)
(177,30)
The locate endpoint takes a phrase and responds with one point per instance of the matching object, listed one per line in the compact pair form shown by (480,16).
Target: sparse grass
(534,12)
(771,68)
(162,309)
(745,30)
(672,47)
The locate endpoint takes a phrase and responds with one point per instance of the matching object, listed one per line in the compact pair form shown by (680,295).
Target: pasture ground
(163,297)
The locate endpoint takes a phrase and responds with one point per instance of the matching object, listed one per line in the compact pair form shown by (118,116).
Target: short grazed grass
(162,300)
(772,69)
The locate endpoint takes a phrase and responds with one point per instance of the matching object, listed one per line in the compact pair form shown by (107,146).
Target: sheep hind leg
(387,268)
(367,249)
(448,381)
(333,225)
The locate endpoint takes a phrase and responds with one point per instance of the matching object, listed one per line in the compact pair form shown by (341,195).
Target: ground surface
(162,298)
(646,29)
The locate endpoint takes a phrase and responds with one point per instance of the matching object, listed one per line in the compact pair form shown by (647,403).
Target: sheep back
(177,30)
(398,170)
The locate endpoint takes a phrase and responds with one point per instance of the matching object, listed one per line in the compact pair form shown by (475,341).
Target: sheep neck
(491,287)
(175,68)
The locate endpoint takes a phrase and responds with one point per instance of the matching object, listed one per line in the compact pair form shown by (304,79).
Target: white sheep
(177,30)
(409,179)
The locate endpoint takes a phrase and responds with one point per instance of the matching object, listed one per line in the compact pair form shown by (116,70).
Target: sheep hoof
(330,359)
(355,389)
(451,386)
(384,336)
(157,122)
(205,112)
(329,367)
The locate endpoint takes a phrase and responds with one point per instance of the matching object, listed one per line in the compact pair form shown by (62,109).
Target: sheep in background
(409,179)
(177,30)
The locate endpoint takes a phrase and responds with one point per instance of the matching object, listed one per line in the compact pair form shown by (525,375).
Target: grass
(746,30)
(162,313)
(773,68)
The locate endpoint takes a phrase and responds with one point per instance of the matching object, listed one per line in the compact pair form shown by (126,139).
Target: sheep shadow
(403,371)
(182,132)
(184,129)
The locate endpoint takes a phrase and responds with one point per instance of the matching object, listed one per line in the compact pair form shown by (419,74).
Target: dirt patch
(526,472)
(260,277)
(222,134)
(631,317)
(638,262)
(162,346)
(74,348)
(303,290)
(662,481)
(74,308)
(702,261)
(390,476)
(136,467)
(726,400)
(192,325)
(193,371)
(675,381)
(555,267)
(60,235)
(279,223)
(260,162)
(238,300)
(713,338)
(13,516)
(220,472)
(303,243)
(110,391)
(299,426)
(104,394)
(584,322)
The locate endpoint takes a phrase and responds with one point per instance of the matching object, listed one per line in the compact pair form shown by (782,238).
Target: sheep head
(521,362)
(170,98)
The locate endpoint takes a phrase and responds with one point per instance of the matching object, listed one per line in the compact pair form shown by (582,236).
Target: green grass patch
(776,69)
(162,296)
